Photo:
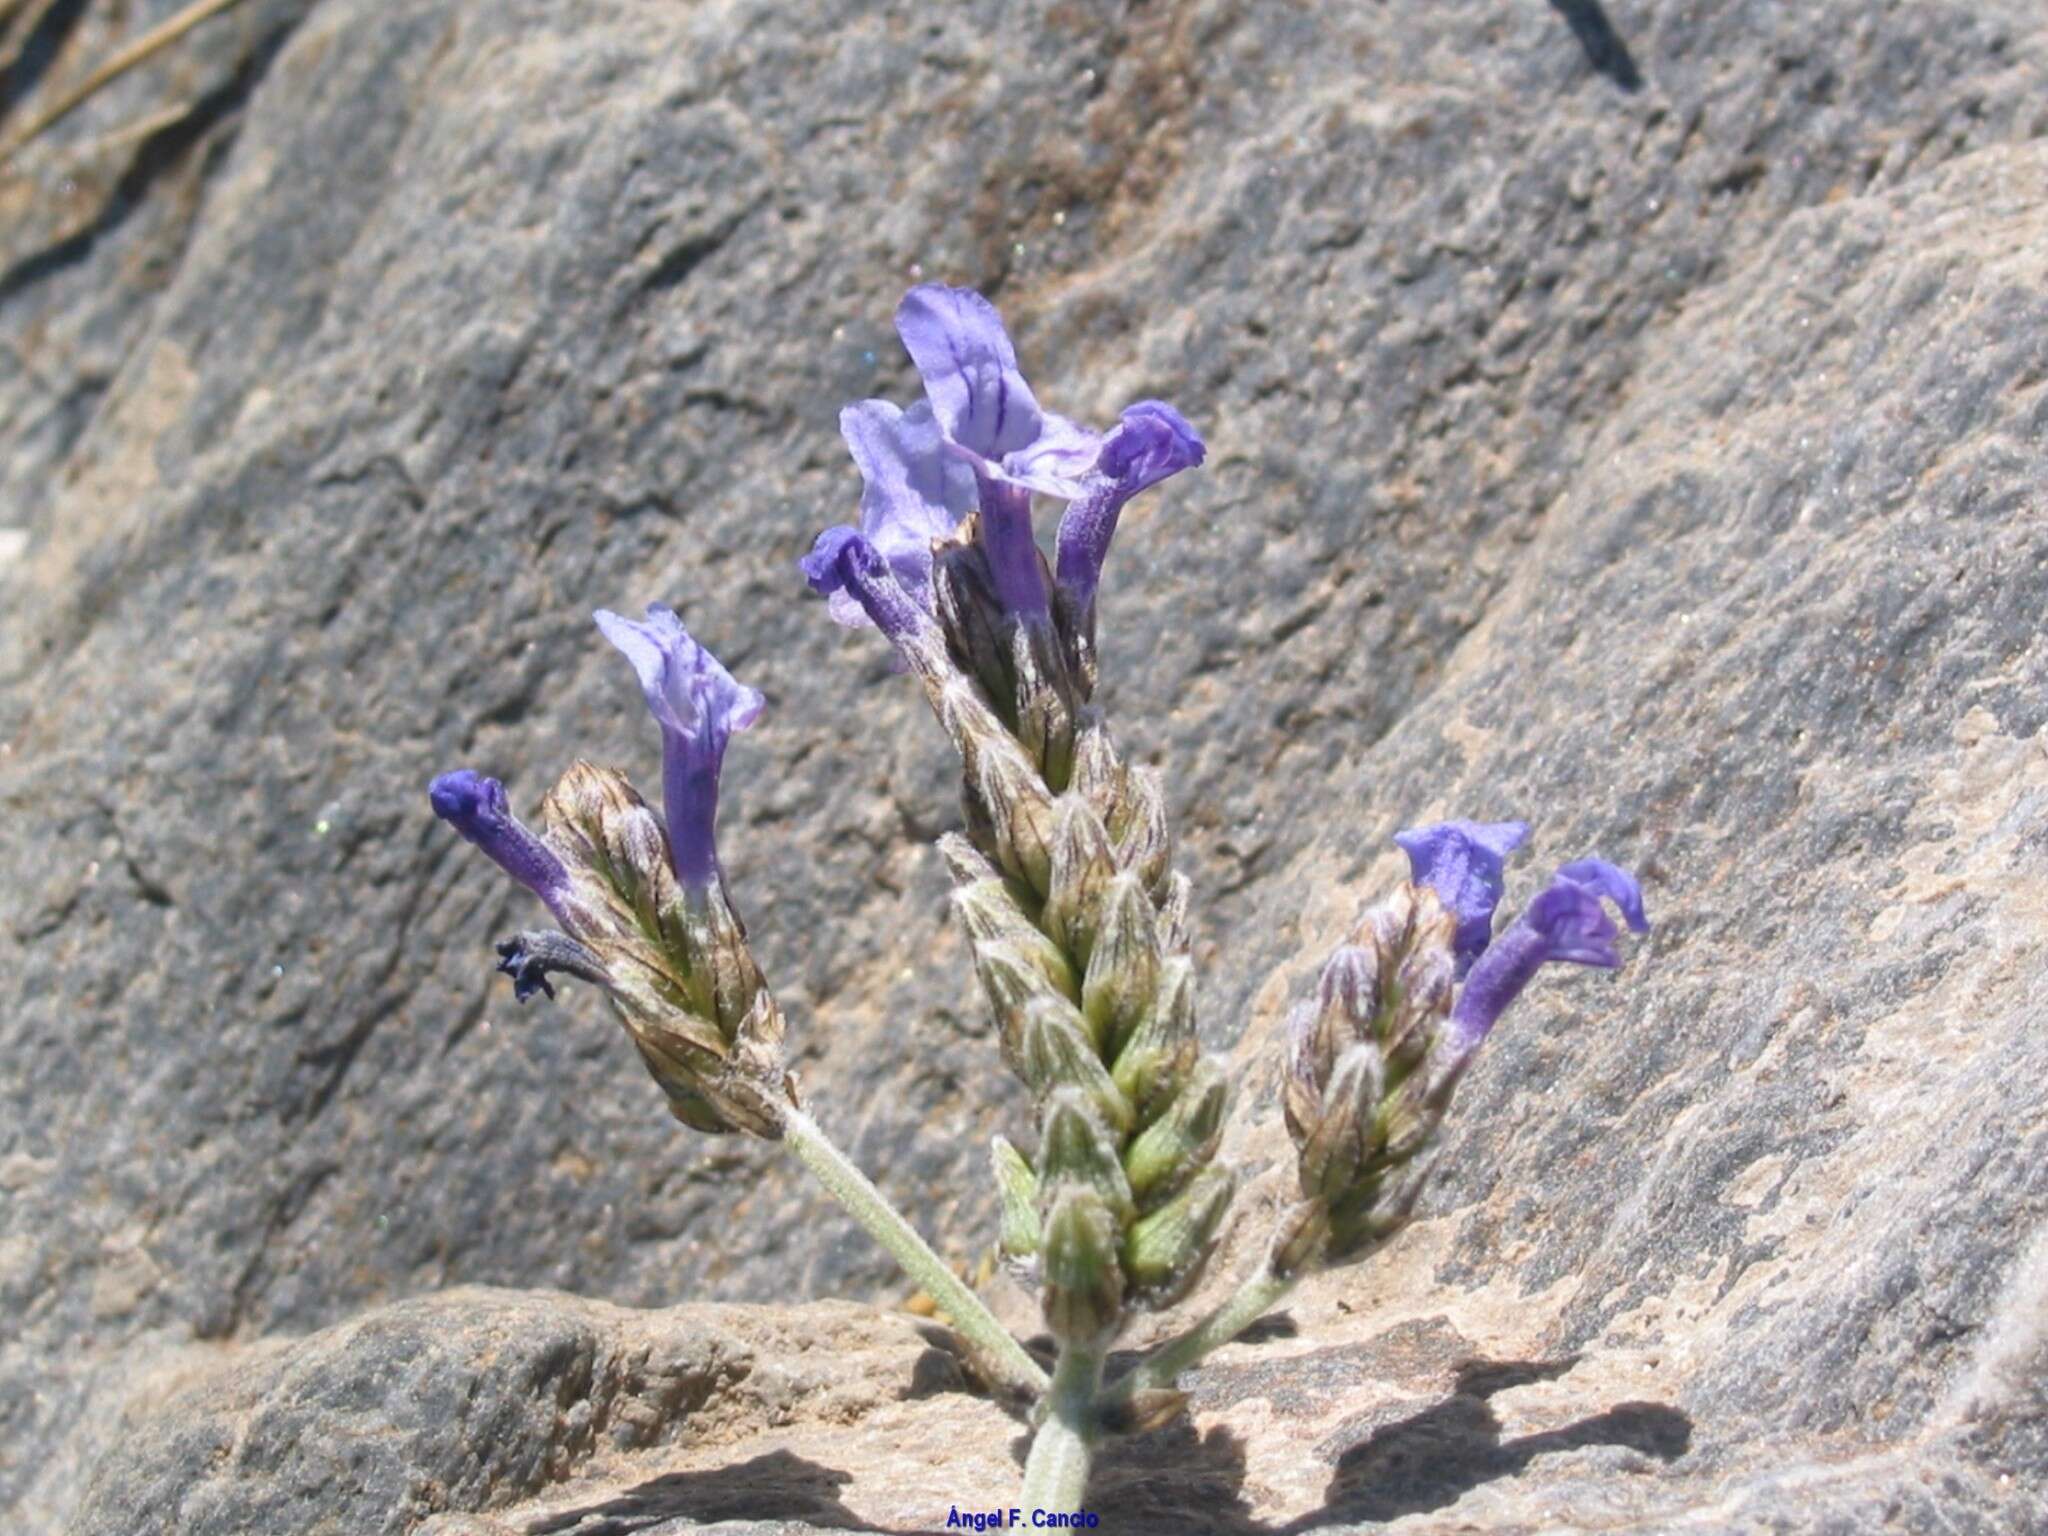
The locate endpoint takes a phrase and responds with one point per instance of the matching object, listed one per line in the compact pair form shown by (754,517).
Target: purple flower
(989,420)
(912,492)
(844,566)
(980,439)
(1461,861)
(1566,922)
(476,807)
(1613,882)
(698,706)
(983,406)
(1153,442)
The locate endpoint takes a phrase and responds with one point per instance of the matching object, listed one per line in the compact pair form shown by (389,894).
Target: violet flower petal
(1012,550)
(913,491)
(1057,462)
(476,807)
(963,354)
(1462,862)
(1153,442)
(1566,923)
(1613,882)
(698,706)
(1575,927)
(993,424)
(843,564)
(985,410)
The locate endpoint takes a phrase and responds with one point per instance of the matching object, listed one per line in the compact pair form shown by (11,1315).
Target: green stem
(1253,1300)
(1056,1476)
(974,1322)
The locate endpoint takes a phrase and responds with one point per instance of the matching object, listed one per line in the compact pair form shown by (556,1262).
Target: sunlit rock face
(1627,420)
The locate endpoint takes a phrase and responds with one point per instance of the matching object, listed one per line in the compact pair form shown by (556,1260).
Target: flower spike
(698,706)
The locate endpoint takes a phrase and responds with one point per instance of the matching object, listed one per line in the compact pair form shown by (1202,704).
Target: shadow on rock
(1603,46)
(938,1369)
(777,1486)
(1174,1479)
(1436,1457)
(1177,1479)
(157,153)
(37,51)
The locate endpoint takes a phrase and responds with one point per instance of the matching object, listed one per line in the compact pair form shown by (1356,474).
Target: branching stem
(991,1342)
(1252,1301)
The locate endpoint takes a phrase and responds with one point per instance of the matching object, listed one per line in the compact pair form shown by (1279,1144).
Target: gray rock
(494,1413)
(476,1399)
(1662,464)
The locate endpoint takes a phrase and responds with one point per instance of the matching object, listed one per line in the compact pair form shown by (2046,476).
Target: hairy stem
(990,1341)
(1056,1476)
(1252,1301)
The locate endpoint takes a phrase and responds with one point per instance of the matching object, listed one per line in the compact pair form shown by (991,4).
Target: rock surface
(1630,418)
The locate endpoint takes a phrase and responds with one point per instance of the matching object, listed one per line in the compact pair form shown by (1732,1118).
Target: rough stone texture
(476,1399)
(495,1413)
(1631,419)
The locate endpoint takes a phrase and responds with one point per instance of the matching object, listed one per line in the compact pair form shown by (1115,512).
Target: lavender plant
(1064,884)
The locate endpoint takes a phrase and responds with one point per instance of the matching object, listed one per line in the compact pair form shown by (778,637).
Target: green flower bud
(1419,1001)
(969,613)
(1012,982)
(1045,701)
(614,848)
(1343,1013)
(1341,1145)
(1164,1252)
(1180,1142)
(717,942)
(992,917)
(1020,811)
(1143,834)
(964,862)
(1017,1186)
(1081,869)
(1410,935)
(696,1110)
(1408,1118)
(757,1049)
(1083,1282)
(1099,772)
(1302,1239)
(1059,1054)
(1155,1061)
(1386,928)
(1123,967)
(1075,1148)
